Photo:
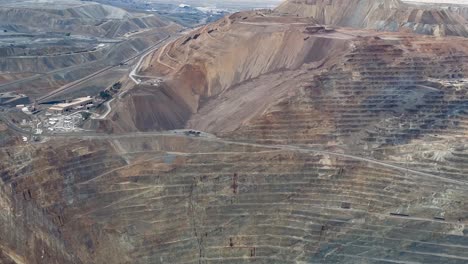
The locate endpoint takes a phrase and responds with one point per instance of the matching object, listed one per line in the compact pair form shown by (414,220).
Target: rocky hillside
(320,145)
(248,65)
(86,18)
(65,41)
(383,15)
(213,59)
(170,199)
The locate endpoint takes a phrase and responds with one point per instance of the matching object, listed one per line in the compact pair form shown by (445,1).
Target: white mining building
(75,104)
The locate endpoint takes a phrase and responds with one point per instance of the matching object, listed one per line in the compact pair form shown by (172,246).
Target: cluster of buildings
(21,101)
(75,104)
(66,116)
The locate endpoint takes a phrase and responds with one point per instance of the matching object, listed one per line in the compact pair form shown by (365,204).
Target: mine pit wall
(150,109)
(47,215)
(382,15)
(33,226)
(156,199)
(379,95)
(29,233)
(217,66)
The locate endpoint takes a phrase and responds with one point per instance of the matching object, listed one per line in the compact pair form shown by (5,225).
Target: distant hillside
(459,2)
(82,18)
(384,15)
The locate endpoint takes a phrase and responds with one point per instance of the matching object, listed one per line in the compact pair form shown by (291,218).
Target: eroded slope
(282,83)
(169,199)
(208,62)
(386,91)
(85,18)
(383,15)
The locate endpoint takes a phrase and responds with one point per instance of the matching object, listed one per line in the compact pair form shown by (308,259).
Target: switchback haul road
(71,85)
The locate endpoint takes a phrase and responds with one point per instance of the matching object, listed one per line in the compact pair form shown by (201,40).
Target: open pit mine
(48,44)
(322,131)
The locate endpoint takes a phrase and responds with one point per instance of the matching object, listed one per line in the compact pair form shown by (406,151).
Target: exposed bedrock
(148,199)
(207,63)
(282,84)
(383,15)
(334,145)
(385,92)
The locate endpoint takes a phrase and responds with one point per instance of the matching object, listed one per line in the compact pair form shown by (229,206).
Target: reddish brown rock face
(160,199)
(324,145)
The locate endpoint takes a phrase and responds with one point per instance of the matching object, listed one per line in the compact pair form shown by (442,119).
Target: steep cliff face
(251,67)
(381,15)
(170,199)
(29,233)
(238,49)
(235,50)
(385,91)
